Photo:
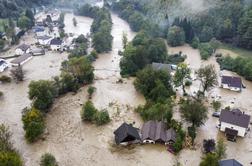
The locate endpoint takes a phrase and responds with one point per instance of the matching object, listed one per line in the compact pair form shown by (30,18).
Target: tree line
(101,26)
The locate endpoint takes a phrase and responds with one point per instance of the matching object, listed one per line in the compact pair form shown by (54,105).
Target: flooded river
(75,143)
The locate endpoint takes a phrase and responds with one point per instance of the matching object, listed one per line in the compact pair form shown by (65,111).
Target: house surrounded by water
(234,123)
(126,134)
(22,49)
(231,83)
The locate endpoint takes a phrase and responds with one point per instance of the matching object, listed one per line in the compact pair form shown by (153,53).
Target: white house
(56,44)
(44,40)
(22,49)
(40,31)
(231,83)
(3,65)
(234,123)
(21,60)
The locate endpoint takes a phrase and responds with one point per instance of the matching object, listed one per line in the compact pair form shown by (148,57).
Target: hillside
(13,8)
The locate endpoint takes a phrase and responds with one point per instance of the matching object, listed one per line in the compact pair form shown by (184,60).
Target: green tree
(216,105)
(195,43)
(153,84)
(10,159)
(88,112)
(182,73)
(176,36)
(124,40)
(81,68)
(194,112)
(34,124)
(102,117)
(208,77)
(24,22)
(210,159)
(48,159)
(220,149)
(43,93)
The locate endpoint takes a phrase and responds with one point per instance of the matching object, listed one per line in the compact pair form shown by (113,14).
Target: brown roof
(157,131)
(235,117)
(21,58)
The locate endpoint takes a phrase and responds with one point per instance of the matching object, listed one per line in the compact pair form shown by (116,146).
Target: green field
(239,51)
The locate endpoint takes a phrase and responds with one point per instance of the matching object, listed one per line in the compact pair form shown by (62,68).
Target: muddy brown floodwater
(75,143)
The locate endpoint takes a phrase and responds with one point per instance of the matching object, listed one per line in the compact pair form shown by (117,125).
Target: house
(3,65)
(19,32)
(21,59)
(56,44)
(229,162)
(232,83)
(39,31)
(38,51)
(44,40)
(167,67)
(156,132)
(22,49)
(126,134)
(3,36)
(234,123)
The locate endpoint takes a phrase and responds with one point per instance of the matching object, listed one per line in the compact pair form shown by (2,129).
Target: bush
(17,74)
(102,117)
(188,83)
(88,112)
(192,133)
(91,90)
(48,159)
(34,124)
(216,105)
(195,43)
(176,36)
(5,79)
(10,159)
(1,94)
(43,93)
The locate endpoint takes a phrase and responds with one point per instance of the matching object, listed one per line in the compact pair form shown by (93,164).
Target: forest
(228,21)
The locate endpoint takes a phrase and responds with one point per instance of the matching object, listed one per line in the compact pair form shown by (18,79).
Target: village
(40,53)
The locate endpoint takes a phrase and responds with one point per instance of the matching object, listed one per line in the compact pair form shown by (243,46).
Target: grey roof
(157,131)
(38,51)
(235,117)
(24,47)
(21,58)
(232,81)
(171,135)
(230,162)
(126,132)
(162,66)
(45,37)
(56,41)
(2,62)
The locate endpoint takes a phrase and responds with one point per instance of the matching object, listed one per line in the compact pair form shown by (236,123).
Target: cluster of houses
(152,132)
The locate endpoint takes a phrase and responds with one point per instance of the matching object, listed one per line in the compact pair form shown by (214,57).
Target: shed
(21,59)
(38,51)
(126,133)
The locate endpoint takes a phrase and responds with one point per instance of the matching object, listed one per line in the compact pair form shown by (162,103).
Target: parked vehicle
(216,114)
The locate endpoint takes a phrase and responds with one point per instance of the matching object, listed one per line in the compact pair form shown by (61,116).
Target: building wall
(225,86)
(241,130)
(55,47)
(19,52)
(3,67)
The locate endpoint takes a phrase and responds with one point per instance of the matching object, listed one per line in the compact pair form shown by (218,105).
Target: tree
(88,112)
(182,73)
(48,159)
(156,111)
(81,68)
(153,84)
(43,93)
(34,124)
(75,22)
(221,149)
(195,43)
(194,112)
(10,159)
(215,44)
(216,105)
(210,159)
(24,22)
(102,117)
(176,36)
(124,40)
(29,14)
(17,73)
(208,77)
(91,90)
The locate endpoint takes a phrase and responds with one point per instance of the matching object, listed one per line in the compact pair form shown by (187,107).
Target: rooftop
(21,59)
(23,47)
(232,81)
(124,132)
(163,66)
(229,162)
(56,41)
(235,117)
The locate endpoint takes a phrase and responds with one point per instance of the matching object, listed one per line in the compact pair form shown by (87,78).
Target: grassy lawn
(239,51)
